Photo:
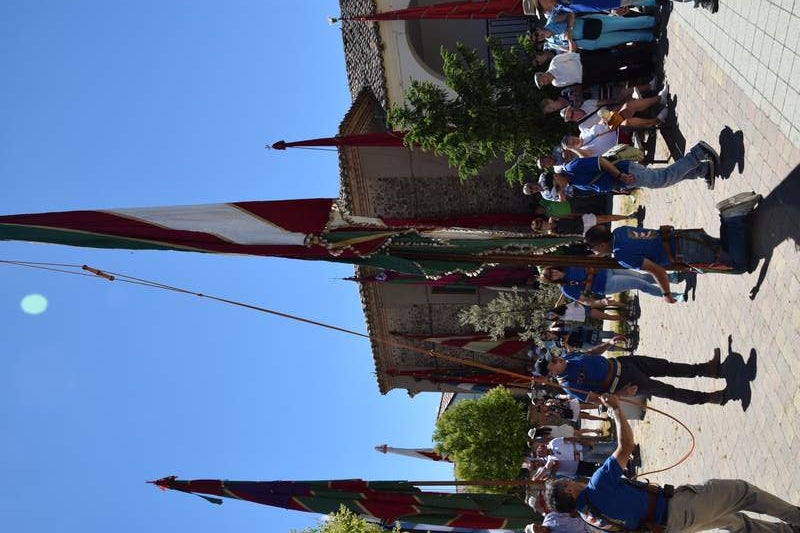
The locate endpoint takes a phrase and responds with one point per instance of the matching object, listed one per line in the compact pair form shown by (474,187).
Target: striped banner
(482,344)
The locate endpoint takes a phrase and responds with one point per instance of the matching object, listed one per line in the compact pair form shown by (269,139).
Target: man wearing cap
(655,250)
(592,375)
(608,500)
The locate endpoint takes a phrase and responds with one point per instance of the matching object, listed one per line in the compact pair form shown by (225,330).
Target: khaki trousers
(718,504)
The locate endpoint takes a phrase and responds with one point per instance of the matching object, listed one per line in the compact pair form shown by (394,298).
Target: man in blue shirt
(608,499)
(600,175)
(590,375)
(655,250)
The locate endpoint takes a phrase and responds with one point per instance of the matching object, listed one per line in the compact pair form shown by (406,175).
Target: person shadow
(731,152)
(775,220)
(738,374)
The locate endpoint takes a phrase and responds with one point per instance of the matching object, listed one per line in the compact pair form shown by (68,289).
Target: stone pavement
(734,77)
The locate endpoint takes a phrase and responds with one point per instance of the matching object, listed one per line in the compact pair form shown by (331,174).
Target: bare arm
(625,444)
(660,274)
(582,152)
(561,186)
(603,219)
(618,175)
(601,348)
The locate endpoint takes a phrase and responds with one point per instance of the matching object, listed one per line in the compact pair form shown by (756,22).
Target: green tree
(494,113)
(485,438)
(512,312)
(346,521)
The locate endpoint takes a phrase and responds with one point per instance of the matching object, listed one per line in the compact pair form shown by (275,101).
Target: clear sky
(162,102)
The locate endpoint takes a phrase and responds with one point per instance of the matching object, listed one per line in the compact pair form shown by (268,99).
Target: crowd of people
(600,53)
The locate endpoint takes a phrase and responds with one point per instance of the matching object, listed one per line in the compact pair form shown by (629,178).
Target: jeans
(690,166)
(616,31)
(625,280)
(735,238)
(718,504)
(598,452)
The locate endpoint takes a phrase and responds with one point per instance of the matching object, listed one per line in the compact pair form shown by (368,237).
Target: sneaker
(739,204)
(710,152)
(641,212)
(663,114)
(734,200)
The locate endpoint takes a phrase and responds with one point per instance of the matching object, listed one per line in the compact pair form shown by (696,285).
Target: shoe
(663,114)
(714,367)
(664,94)
(739,204)
(710,152)
(734,200)
(640,213)
(719,397)
(712,163)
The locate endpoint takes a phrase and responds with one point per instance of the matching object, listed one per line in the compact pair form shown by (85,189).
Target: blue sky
(142,103)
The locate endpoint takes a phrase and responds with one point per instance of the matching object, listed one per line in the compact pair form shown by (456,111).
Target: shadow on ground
(775,220)
(738,374)
(731,152)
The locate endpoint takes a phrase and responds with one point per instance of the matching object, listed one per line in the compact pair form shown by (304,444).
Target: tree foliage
(346,521)
(494,113)
(522,314)
(485,438)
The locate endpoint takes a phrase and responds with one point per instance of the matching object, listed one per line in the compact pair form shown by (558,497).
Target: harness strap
(669,232)
(587,283)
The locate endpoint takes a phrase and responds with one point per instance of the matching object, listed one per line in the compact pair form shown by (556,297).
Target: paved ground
(735,77)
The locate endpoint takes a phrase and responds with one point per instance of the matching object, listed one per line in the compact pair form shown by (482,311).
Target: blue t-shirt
(574,279)
(582,172)
(586,372)
(631,246)
(619,500)
(585,6)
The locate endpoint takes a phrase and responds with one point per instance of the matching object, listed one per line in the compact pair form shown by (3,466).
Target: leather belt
(611,382)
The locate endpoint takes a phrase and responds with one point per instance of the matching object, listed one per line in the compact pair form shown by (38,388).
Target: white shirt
(575,312)
(563,450)
(564,523)
(566,69)
(564,430)
(598,138)
(566,467)
(575,405)
(589,221)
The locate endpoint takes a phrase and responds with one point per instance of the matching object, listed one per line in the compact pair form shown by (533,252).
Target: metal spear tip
(164,483)
(280,145)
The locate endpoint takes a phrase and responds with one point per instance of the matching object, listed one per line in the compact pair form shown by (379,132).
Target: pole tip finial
(163,483)
(280,145)
(332,20)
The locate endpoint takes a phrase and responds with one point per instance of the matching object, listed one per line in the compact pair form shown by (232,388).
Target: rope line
(124,278)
